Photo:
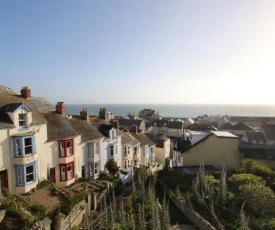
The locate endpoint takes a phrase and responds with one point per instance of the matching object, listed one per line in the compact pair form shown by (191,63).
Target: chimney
(26,92)
(116,124)
(102,113)
(84,114)
(60,108)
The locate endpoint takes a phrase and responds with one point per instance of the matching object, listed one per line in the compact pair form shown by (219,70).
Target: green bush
(38,210)
(42,184)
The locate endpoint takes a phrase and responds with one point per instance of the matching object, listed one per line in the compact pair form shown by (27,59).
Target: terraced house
(23,132)
(38,144)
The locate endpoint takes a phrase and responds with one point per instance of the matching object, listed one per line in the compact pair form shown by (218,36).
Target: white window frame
(22,118)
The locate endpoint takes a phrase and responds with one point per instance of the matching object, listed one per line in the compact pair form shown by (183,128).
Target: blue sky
(146,51)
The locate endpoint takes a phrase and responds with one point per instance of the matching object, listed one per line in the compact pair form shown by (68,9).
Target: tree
(112,167)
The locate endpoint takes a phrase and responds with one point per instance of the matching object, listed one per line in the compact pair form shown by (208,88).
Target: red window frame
(64,142)
(66,171)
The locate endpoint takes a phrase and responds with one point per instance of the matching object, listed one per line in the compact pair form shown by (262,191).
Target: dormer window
(22,119)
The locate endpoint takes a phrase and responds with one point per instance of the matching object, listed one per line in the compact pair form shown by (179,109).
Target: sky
(145,51)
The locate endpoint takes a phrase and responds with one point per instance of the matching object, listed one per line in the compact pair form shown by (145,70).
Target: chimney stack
(116,124)
(60,108)
(84,114)
(26,92)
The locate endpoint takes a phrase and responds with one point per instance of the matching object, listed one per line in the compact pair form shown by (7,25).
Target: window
(25,174)
(24,146)
(128,166)
(113,149)
(70,171)
(66,148)
(29,174)
(126,150)
(20,176)
(22,120)
(28,146)
(136,150)
(63,173)
(67,171)
(96,168)
(18,147)
(125,164)
(136,162)
(96,148)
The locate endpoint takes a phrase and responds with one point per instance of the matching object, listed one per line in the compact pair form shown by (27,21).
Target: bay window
(66,171)
(25,174)
(66,148)
(24,146)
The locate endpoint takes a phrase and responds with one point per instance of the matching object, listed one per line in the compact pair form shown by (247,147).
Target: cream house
(61,162)
(218,149)
(22,134)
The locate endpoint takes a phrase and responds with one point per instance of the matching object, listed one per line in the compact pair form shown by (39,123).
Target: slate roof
(175,125)
(160,122)
(126,137)
(269,131)
(129,122)
(59,126)
(238,126)
(143,139)
(227,126)
(11,102)
(258,136)
(87,129)
(251,119)
(157,139)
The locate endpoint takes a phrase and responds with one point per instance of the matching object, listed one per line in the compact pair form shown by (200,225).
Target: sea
(176,110)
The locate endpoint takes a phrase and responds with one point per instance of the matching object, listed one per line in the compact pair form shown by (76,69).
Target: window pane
(69,144)
(28,145)
(20,176)
(18,147)
(29,173)
(63,173)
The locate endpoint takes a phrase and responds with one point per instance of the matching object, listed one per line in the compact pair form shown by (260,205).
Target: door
(52,175)
(83,171)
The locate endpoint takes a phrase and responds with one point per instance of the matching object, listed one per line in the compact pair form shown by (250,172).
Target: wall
(192,216)
(214,151)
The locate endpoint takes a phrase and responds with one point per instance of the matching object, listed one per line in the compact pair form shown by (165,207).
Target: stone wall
(194,217)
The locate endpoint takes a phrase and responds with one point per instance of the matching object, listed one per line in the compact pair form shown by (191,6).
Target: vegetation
(142,210)
(112,167)
(245,200)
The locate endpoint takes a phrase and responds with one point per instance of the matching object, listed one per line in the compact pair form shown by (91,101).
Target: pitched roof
(127,138)
(59,126)
(269,131)
(87,129)
(158,139)
(143,139)
(129,122)
(160,122)
(253,135)
(175,125)
(11,102)
(238,126)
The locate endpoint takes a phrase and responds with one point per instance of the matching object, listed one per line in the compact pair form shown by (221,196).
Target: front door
(52,175)
(83,171)
(3,180)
